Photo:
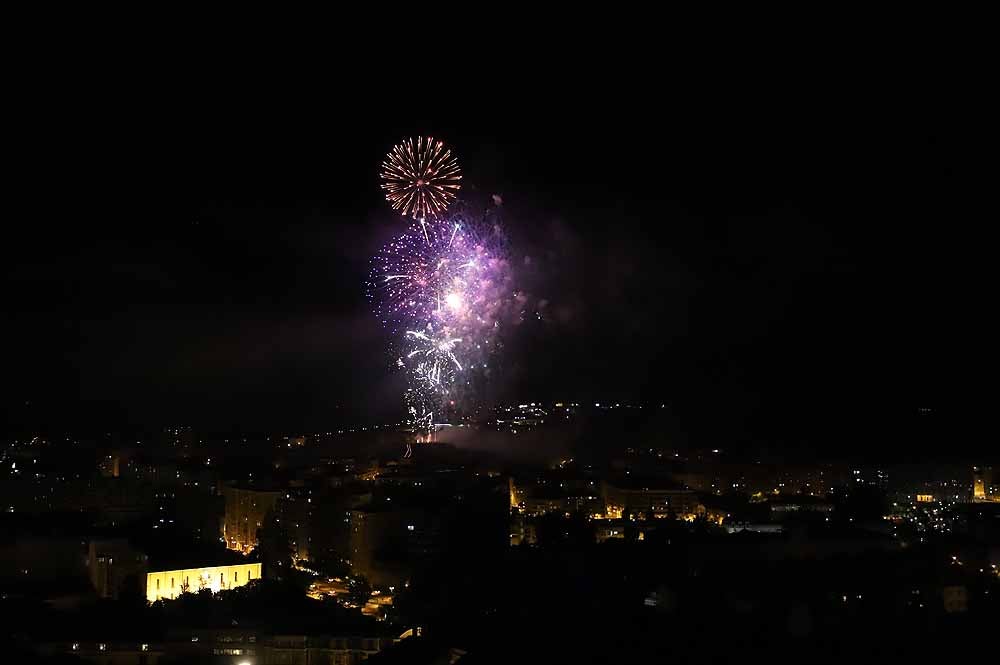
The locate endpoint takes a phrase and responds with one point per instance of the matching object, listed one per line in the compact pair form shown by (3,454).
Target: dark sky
(779,266)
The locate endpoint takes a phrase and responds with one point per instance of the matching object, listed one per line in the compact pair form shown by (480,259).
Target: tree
(359,590)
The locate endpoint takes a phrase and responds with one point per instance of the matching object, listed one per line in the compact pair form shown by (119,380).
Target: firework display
(421,177)
(437,272)
(439,289)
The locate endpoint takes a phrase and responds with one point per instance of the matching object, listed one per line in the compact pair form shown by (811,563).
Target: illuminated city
(606,378)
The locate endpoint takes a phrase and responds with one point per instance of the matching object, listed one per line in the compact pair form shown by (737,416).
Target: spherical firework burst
(438,272)
(421,177)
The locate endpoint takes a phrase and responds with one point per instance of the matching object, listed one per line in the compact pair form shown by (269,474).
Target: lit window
(144,647)
(102,647)
(76,646)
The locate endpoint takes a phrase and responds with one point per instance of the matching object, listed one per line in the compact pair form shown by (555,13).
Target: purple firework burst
(440,288)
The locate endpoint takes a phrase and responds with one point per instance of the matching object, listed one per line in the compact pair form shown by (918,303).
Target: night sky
(780,270)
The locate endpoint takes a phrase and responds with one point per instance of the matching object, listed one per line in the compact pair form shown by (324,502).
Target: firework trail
(433,359)
(421,177)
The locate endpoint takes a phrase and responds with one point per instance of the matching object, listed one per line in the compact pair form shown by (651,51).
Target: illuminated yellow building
(516,494)
(925,498)
(980,479)
(168,584)
(110,466)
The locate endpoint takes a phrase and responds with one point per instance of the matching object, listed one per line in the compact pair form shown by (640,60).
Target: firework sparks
(433,358)
(421,177)
(439,288)
(437,272)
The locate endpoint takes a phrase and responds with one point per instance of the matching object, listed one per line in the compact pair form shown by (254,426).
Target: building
(103,651)
(648,499)
(115,567)
(168,584)
(522,531)
(246,512)
(295,511)
(782,508)
(610,530)
(751,527)
(377,535)
(226,645)
(199,510)
(978,484)
(110,466)
(555,492)
(983,488)
(330,524)
(542,504)
(296,649)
